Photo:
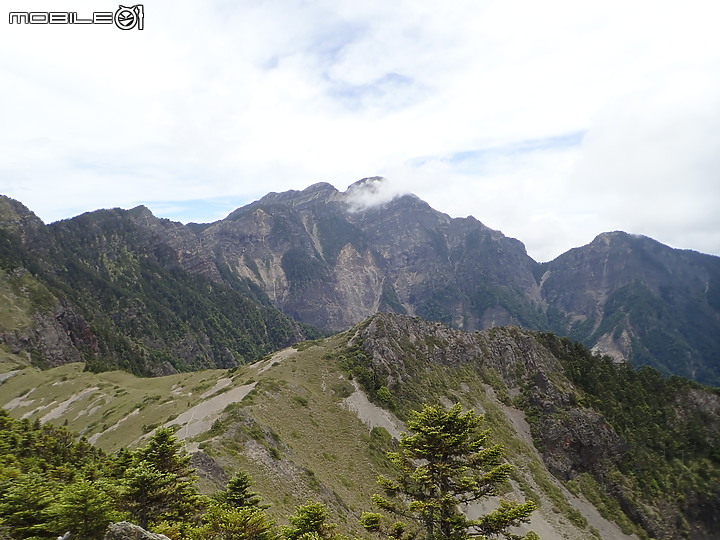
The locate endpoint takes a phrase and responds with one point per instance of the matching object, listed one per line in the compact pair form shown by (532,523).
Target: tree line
(51,484)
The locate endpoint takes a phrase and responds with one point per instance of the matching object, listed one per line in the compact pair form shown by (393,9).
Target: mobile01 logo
(125,18)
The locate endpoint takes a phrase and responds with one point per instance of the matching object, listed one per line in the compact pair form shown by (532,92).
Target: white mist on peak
(371,192)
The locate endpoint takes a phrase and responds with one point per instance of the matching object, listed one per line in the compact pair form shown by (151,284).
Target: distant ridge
(329,259)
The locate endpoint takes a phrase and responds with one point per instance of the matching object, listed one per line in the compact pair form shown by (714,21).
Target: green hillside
(101,290)
(314,423)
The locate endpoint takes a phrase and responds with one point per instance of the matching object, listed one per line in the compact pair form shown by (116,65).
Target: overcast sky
(552,121)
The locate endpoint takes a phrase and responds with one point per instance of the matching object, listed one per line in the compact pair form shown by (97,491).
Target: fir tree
(165,452)
(237,494)
(249,523)
(85,509)
(160,486)
(147,493)
(24,507)
(310,522)
(444,462)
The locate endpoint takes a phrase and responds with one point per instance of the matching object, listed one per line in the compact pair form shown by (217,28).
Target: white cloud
(373,191)
(224,101)
(651,162)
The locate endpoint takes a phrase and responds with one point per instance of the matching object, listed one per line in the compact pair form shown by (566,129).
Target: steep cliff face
(453,270)
(575,439)
(188,251)
(108,288)
(35,322)
(284,243)
(20,230)
(626,439)
(327,262)
(637,299)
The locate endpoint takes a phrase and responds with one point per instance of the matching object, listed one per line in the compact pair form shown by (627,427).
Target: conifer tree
(165,452)
(446,461)
(310,522)
(24,507)
(237,494)
(147,493)
(160,485)
(85,509)
(223,523)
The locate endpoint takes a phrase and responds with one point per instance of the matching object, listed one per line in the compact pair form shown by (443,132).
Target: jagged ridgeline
(126,289)
(643,448)
(606,451)
(102,289)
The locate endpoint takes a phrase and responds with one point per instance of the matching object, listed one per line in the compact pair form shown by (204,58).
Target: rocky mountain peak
(372,184)
(610,237)
(15,216)
(330,259)
(623,240)
(141,211)
(321,192)
(377,193)
(21,225)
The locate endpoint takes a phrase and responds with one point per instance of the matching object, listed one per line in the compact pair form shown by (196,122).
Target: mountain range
(606,451)
(123,288)
(386,306)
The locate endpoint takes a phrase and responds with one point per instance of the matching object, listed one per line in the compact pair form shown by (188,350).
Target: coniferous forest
(51,483)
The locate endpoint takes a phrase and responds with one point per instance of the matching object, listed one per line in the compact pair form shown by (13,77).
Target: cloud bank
(551,121)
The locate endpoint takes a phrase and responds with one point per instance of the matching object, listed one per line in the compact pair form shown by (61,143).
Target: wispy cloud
(372,192)
(550,121)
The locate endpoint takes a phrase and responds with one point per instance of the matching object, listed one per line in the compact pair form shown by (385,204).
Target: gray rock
(130,531)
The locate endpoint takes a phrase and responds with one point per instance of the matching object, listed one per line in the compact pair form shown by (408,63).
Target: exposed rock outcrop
(129,531)
(329,259)
(568,430)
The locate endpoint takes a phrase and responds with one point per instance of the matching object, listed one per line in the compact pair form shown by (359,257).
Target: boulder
(130,531)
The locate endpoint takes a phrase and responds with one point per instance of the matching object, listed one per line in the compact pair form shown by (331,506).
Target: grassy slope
(91,404)
(303,443)
(292,432)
